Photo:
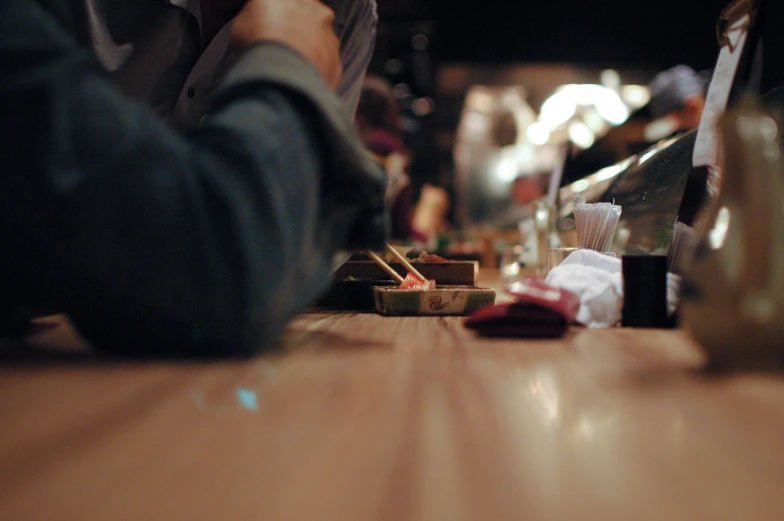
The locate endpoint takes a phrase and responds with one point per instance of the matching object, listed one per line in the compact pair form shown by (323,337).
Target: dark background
(625,32)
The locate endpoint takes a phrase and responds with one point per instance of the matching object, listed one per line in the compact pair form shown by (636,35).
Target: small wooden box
(443,300)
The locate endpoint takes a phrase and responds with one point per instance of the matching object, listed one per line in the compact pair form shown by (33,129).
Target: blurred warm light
(580,185)
(585,110)
(525,156)
(538,133)
(610,106)
(718,234)
(660,128)
(610,79)
(746,128)
(580,134)
(480,101)
(768,128)
(475,125)
(512,162)
(557,109)
(635,95)
(401,90)
(511,98)
(506,169)
(422,106)
(771,151)
(594,121)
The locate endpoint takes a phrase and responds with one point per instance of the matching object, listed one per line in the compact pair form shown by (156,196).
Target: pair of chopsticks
(402,260)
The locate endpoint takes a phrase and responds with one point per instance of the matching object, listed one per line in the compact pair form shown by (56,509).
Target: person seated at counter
(172,54)
(162,243)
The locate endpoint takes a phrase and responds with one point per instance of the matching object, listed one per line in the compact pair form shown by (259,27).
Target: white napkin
(596,278)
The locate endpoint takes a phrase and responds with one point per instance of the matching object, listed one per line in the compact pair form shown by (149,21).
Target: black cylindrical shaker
(644,291)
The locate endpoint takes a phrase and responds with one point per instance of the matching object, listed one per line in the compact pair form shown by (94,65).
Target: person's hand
(303,25)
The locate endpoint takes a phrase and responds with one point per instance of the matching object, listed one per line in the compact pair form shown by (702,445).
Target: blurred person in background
(160,243)
(676,104)
(675,107)
(430,215)
(524,191)
(378,123)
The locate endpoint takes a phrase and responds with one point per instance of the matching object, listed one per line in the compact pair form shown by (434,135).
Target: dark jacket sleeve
(162,244)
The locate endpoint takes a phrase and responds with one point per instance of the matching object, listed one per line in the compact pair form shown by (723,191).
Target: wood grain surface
(364,417)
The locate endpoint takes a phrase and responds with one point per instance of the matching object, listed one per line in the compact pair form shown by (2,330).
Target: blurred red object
(535,291)
(542,311)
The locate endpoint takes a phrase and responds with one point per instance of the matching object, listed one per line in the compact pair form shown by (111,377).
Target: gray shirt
(155,53)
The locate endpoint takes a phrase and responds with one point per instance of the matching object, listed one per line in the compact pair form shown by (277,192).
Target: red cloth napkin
(542,311)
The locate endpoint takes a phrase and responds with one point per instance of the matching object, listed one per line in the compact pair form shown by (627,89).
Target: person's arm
(161,244)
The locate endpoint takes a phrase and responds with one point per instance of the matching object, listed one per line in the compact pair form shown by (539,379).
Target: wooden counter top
(363,417)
